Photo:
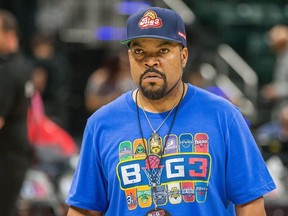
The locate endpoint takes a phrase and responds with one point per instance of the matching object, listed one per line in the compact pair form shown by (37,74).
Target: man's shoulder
(117,107)
(208,102)
(208,97)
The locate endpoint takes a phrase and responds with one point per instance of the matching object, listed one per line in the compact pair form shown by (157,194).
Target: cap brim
(128,40)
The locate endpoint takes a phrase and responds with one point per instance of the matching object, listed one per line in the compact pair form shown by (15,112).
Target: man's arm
(255,208)
(73,211)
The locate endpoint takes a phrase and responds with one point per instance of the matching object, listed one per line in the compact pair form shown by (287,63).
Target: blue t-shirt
(210,162)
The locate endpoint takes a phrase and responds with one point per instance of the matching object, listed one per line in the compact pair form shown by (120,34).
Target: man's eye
(164,51)
(138,51)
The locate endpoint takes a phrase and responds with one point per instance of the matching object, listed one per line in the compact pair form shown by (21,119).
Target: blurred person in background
(51,63)
(273,136)
(25,12)
(46,132)
(15,74)
(277,91)
(109,81)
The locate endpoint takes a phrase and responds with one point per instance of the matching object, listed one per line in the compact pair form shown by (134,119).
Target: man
(272,136)
(277,90)
(167,148)
(14,146)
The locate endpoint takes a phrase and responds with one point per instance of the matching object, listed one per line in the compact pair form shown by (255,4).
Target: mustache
(154,71)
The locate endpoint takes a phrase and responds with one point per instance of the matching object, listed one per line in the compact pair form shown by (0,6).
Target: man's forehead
(143,42)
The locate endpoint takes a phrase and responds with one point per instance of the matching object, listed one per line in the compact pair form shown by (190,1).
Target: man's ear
(130,56)
(184,57)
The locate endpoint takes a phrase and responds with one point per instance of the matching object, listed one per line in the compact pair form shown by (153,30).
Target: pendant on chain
(155,143)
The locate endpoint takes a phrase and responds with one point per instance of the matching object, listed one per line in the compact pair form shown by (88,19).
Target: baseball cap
(156,22)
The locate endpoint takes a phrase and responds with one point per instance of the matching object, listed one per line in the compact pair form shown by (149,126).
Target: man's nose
(151,61)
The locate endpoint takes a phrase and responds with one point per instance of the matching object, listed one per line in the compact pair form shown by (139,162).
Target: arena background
(227,41)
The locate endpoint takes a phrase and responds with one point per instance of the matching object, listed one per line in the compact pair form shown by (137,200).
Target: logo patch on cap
(150,20)
(182,35)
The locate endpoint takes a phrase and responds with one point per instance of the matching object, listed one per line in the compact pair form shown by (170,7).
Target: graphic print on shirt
(183,173)
(144,194)
(174,188)
(125,153)
(186,143)
(188,188)
(201,144)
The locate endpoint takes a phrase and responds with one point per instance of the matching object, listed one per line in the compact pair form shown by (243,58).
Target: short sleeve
(247,176)
(88,188)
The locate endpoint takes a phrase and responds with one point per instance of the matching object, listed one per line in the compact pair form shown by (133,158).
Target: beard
(151,91)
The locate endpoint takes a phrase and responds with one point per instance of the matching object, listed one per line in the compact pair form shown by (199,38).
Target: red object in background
(42,131)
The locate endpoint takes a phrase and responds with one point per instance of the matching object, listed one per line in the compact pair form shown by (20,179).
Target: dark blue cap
(156,22)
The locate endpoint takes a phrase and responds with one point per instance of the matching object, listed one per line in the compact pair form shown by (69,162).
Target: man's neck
(164,104)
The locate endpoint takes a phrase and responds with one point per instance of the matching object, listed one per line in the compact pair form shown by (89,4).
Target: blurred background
(231,54)
(230,37)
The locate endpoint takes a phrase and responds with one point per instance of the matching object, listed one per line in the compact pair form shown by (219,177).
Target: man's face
(156,65)
(284,118)
(3,38)
(278,36)
(1,35)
